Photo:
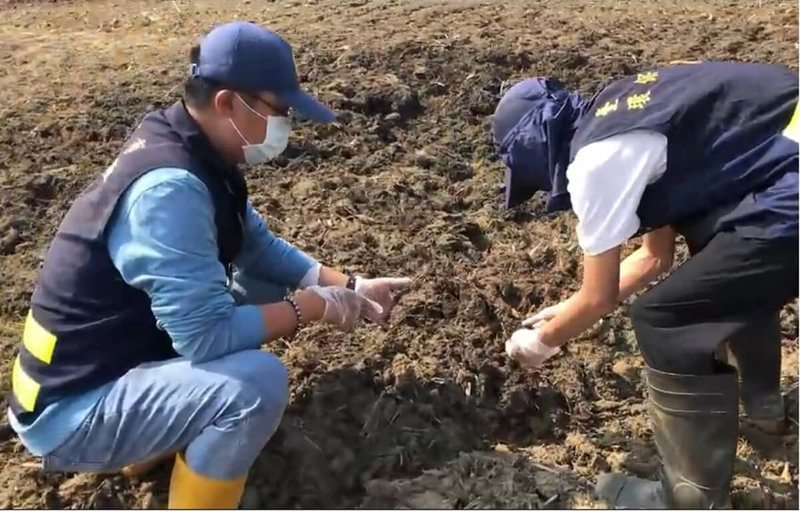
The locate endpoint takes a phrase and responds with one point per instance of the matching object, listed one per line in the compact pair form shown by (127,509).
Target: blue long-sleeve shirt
(162,239)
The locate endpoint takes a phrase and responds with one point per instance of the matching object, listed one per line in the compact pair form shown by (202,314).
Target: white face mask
(275,139)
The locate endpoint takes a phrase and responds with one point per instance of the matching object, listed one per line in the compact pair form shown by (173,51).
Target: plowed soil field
(427,412)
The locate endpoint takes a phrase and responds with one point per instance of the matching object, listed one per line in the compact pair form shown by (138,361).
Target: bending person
(708,151)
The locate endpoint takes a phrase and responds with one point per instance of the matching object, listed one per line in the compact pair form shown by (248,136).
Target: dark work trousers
(728,288)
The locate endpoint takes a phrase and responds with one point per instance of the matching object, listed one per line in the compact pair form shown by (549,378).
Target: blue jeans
(220,412)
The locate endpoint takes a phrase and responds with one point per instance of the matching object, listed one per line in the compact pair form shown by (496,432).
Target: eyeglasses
(278,110)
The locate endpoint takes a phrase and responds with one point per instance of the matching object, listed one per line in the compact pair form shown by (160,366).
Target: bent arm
(162,239)
(648,262)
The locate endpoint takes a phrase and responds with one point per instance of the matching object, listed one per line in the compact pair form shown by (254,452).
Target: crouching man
(162,283)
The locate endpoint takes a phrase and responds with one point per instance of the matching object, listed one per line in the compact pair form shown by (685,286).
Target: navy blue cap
(532,128)
(247,57)
(518,101)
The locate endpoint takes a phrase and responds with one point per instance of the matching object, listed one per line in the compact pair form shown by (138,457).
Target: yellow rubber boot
(190,490)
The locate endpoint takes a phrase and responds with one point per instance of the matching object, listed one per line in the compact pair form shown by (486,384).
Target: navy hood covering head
(532,128)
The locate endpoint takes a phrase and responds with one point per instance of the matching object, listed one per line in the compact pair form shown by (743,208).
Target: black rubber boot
(624,492)
(755,352)
(695,426)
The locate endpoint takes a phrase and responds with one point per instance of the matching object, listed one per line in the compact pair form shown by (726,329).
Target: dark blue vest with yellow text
(729,166)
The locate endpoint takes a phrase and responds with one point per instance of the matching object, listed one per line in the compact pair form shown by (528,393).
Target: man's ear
(223,102)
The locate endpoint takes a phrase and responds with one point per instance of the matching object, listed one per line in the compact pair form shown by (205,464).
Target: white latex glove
(527,348)
(544,315)
(382,290)
(343,307)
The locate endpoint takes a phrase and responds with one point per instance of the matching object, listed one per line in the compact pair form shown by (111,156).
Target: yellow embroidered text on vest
(638,101)
(792,130)
(607,108)
(646,78)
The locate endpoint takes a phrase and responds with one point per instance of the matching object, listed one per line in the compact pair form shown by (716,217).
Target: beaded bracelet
(297,314)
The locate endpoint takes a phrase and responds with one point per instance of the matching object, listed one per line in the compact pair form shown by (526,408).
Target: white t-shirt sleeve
(606,181)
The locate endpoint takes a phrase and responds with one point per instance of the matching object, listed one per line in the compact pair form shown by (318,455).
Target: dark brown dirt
(427,412)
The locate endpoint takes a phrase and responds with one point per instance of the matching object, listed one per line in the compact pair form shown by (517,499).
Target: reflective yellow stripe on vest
(38,340)
(792,130)
(26,390)
(41,344)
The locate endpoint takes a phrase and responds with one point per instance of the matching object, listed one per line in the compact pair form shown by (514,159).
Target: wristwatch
(351,282)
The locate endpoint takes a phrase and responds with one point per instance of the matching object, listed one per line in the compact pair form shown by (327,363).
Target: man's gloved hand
(382,290)
(527,348)
(544,315)
(343,307)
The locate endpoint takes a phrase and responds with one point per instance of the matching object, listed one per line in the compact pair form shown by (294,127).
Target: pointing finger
(398,283)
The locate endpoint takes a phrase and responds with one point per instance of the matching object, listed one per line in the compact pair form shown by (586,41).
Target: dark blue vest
(728,166)
(86,326)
